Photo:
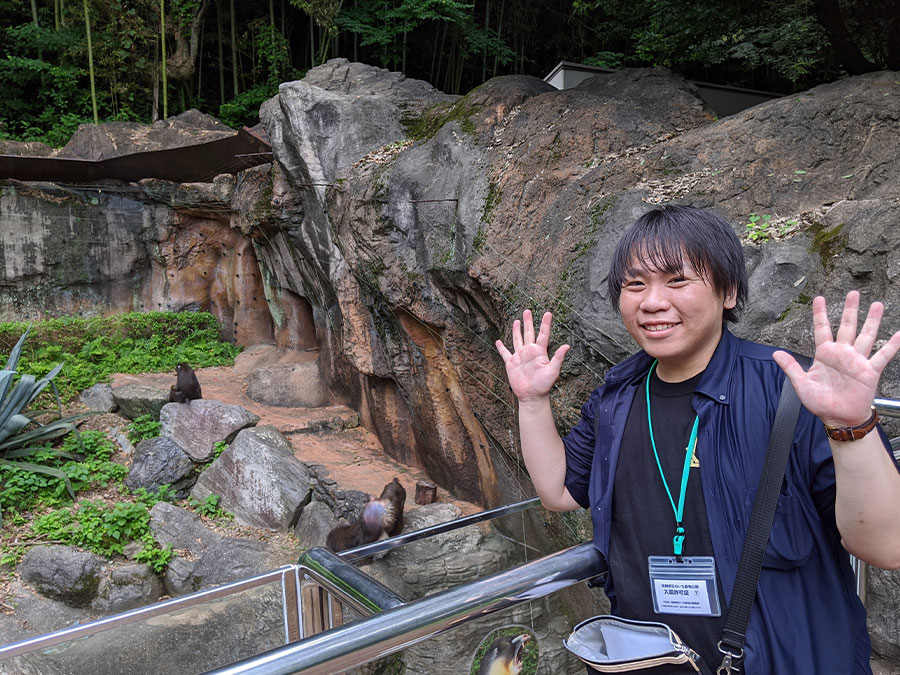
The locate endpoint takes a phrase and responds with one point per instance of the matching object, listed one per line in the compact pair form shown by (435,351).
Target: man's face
(675,317)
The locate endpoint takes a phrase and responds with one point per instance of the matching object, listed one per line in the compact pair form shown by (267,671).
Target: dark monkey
(186,387)
(382,516)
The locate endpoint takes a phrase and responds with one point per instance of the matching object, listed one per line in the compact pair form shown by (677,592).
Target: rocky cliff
(401,230)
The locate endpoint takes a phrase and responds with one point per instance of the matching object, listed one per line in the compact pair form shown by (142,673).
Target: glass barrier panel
(187,640)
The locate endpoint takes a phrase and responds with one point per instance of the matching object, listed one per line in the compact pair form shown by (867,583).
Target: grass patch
(92,349)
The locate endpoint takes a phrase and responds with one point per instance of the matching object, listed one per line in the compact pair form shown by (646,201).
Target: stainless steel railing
(333,573)
(400,627)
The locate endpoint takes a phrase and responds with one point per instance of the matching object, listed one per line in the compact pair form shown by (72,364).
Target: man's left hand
(842,382)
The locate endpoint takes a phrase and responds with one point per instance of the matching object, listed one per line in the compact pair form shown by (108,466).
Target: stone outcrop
(399,232)
(258,479)
(197,426)
(135,400)
(161,461)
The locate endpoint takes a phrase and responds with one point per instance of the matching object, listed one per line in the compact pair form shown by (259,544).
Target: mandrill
(380,517)
(505,656)
(186,387)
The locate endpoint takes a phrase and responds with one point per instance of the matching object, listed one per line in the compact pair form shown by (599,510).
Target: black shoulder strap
(761,518)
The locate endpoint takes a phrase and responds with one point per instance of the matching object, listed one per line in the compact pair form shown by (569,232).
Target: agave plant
(20,434)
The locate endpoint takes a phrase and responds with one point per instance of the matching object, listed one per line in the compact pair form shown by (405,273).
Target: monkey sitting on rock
(380,517)
(186,387)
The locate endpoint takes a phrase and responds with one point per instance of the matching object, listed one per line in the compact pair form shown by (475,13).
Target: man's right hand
(531,373)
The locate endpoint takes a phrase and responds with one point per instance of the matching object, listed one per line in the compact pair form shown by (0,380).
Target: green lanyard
(678,540)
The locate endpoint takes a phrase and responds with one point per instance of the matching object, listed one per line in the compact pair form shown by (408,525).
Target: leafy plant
(24,488)
(17,440)
(143,427)
(764,227)
(164,493)
(218,449)
(96,526)
(135,342)
(209,507)
(156,557)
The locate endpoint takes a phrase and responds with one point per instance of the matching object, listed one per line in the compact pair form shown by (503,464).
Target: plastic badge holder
(612,644)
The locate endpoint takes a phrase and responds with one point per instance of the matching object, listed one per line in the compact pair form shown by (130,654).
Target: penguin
(505,656)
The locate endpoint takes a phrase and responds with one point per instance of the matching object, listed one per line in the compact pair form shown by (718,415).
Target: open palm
(843,379)
(530,370)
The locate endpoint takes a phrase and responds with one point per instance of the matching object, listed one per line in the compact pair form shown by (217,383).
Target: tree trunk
(90,50)
(221,53)
(200,63)
(234,51)
(487,25)
(500,33)
(162,31)
(154,111)
(34,17)
(312,43)
(828,13)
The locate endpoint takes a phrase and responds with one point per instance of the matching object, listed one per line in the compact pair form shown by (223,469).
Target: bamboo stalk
(162,30)
(87,27)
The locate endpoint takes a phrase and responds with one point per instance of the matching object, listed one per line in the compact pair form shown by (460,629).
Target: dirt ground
(352,456)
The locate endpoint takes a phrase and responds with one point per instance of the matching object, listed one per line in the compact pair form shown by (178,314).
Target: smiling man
(669,450)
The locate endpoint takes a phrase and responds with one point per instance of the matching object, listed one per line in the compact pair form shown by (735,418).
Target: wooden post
(426,492)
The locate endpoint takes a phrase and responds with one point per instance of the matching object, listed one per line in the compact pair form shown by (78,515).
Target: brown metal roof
(198,163)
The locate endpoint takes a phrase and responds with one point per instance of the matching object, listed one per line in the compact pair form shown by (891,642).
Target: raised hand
(530,371)
(843,379)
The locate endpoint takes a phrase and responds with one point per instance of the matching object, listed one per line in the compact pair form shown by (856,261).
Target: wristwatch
(853,433)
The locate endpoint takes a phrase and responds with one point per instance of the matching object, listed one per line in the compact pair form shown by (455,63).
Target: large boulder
(259,480)
(197,426)
(127,587)
(161,461)
(295,385)
(181,529)
(63,573)
(135,400)
(99,398)
(227,560)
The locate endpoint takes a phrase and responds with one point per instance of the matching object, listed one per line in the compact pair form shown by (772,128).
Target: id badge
(686,587)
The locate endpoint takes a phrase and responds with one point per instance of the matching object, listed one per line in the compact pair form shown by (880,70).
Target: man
(669,451)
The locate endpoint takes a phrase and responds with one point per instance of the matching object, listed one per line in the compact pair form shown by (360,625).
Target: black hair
(664,238)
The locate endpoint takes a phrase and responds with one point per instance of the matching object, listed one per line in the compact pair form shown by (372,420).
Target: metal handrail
(396,629)
(367,550)
(351,586)
(141,613)
(888,407)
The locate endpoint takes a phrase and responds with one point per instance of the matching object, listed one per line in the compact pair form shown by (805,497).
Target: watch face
(512,650)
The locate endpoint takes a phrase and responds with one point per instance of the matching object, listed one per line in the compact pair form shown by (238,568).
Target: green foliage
(136,342)
(218,449)
(209,507)
(83,461)
(95,526)
(142,427)
(763,227)
(164,493)
(20,434)
(243,110)
(606,60)
(156,557)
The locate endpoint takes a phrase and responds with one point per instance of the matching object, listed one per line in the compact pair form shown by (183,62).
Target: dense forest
(65,62)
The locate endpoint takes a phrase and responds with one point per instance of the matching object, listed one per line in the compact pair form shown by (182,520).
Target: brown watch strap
(853,433)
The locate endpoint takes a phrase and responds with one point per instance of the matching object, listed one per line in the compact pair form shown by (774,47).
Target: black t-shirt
(643,521)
